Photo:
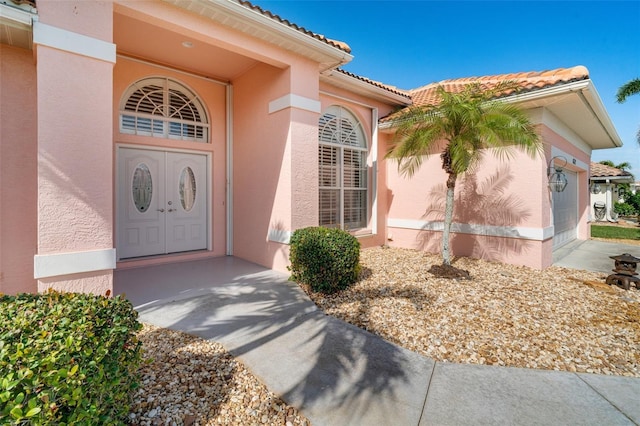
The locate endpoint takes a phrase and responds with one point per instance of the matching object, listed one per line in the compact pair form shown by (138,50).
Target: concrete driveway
(592,255)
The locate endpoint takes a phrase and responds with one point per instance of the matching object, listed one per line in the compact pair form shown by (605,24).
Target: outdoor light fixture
(557,180)
(595,188)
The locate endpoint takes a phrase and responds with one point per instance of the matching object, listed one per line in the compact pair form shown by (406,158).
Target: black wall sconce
(557,179)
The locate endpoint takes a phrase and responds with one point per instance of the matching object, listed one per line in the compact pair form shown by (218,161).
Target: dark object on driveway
(625,271)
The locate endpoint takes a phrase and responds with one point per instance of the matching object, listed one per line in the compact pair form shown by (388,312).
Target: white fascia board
(580,87)
(68,41)
(614,179)
(361,86)
(547,92)
(15,17)
(598,108)
(239,11)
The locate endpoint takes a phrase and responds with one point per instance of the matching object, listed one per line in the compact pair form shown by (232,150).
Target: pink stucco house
(143,132)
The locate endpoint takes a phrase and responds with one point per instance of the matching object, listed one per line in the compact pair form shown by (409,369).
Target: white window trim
(166,84)
(368,219)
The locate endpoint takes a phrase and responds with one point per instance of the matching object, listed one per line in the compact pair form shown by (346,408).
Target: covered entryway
(565,212)
(162,202)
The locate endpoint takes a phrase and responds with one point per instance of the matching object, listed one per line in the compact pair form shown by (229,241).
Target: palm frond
(628,89)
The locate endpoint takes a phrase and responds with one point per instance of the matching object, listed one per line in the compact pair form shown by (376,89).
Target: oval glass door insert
(187,188)
(142,187)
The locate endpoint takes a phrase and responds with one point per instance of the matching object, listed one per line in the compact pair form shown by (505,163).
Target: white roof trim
(249,21)
(15,17)
(364,88)
(593,102)
(584,89)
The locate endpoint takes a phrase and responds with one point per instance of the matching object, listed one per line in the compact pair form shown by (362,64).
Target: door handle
(160,210)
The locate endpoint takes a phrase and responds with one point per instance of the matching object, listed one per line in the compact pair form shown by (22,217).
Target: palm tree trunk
(448,218)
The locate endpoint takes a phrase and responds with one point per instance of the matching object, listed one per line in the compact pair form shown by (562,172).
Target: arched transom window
(343,170)
(164,108)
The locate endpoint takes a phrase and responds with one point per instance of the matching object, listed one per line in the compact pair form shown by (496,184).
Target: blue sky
(412,43)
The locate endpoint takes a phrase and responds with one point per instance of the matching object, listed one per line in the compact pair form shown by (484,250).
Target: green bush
(67,358)
(624,209)
(633,200)
(326,259)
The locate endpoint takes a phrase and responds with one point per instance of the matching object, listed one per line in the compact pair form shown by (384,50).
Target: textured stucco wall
(261,166)
(510,196)
(18,179)
(75,143)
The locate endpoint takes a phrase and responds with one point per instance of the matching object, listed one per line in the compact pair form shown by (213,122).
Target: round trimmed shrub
(326,259)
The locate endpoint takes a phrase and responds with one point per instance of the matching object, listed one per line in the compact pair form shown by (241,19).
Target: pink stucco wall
(18,179)
(262,173)
(75,143)
(511,197)
(90,18)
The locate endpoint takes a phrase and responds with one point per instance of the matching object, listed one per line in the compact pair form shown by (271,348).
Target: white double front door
(162,202)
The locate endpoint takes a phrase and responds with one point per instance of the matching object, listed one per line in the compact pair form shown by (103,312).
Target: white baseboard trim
(536,234)
(52,265)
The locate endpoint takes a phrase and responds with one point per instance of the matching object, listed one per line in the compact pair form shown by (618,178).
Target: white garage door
(565,212)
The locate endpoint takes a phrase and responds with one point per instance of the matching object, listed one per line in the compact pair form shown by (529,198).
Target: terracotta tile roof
(602,170)
(31,3)
(387,87)
(524,81)
(335,43)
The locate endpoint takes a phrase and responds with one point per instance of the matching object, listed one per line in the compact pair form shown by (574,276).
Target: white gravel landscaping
(504,315)
(556,319)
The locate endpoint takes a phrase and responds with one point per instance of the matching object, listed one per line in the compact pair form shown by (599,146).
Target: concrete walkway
(592,255)
(338,374)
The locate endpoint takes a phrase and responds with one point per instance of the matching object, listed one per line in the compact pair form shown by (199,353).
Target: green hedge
(326,259)
(67,358)
(624,209)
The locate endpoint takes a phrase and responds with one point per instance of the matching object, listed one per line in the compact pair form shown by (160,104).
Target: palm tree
(623,188)
(630,88)
(468,123)
(624,166)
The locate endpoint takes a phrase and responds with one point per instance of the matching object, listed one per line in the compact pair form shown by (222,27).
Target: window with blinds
(342,157)
(162,107)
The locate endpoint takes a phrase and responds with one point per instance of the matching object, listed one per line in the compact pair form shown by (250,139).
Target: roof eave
(587,93)
(618,179)
(233,14)
(364,88)
(17,24)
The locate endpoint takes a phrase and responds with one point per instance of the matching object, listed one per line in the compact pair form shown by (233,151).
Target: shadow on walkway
(334,372)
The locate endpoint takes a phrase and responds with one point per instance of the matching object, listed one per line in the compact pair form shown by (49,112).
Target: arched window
(164,108)
(343,172)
